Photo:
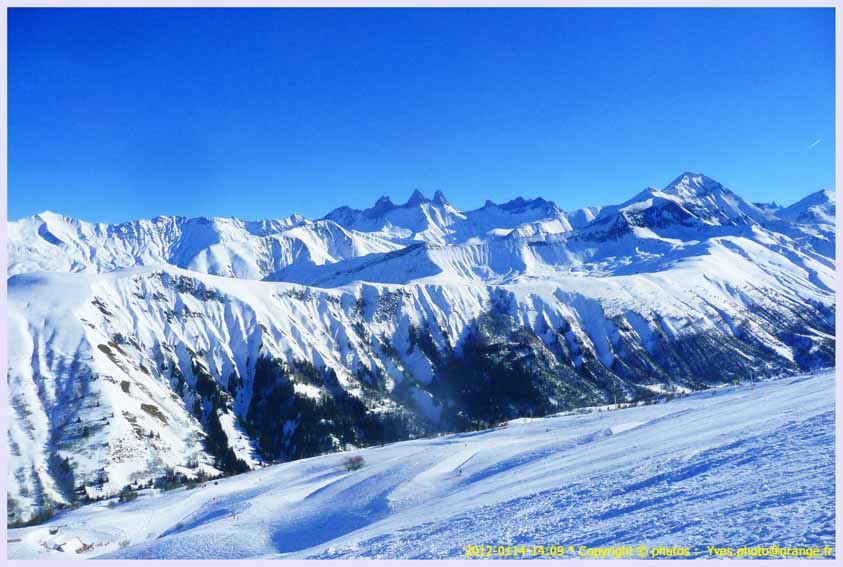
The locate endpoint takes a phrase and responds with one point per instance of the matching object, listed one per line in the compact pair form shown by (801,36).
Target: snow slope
(731,466)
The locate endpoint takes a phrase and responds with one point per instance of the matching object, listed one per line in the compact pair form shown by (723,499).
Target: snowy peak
(417,219)
(694,199)
(438,222)
(692,185)
(698,191)
(382,205)
(819,207)
(346,215)
(726,206)
(50,216)
(522,205)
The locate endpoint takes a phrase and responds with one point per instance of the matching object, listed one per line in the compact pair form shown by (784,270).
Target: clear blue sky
(122,114)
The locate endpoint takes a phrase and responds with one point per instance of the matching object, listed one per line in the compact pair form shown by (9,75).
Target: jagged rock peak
(416,199)
(384,203)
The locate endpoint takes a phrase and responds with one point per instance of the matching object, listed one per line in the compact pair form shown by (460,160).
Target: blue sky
(123,114)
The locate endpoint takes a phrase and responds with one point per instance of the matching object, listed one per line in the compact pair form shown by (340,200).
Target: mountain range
(191,346)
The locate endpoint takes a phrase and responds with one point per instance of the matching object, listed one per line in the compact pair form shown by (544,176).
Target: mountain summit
(440,199)
(690,185)
(416,199)
(817,208)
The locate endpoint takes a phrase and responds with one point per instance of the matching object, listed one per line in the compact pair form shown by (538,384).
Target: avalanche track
(729,466)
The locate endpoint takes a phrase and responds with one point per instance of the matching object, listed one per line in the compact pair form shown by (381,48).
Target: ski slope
(730,466)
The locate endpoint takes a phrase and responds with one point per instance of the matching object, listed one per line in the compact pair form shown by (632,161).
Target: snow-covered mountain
(295,245)
(816,208)
(220,246)
(177,346)
(437,222)
(731,467)
(255,249)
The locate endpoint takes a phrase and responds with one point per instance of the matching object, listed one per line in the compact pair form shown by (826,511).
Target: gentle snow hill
(734,466)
